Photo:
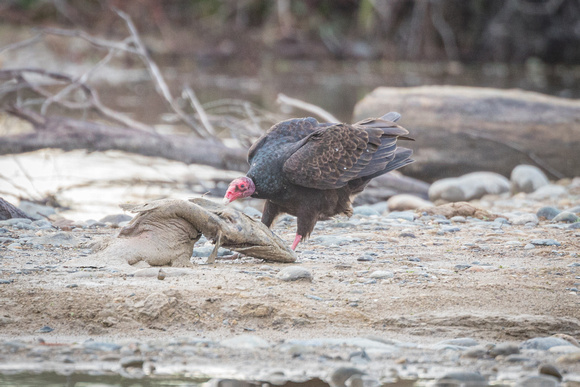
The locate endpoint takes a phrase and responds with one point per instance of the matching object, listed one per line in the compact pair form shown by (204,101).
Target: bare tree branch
(188,91)
(97,42)
(160,84)
(76,83)
(93,99)
(24,43)
(326,116)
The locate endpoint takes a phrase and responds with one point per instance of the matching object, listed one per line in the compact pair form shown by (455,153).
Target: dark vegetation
(427,30)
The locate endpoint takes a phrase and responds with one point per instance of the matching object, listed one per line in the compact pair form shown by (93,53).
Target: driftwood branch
(133,45)
(320,112)
(8,211)
(190,94)
(68,134)
(92,97)
(160,84)
(24,43)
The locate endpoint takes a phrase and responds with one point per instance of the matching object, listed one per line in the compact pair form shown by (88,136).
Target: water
(335,86)
(53,379)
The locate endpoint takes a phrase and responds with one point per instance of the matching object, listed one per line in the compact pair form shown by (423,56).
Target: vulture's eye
(242,186)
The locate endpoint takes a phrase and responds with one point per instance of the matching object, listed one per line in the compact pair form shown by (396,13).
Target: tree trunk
(463,129)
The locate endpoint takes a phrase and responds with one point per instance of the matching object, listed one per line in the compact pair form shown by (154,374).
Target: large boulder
(466,129)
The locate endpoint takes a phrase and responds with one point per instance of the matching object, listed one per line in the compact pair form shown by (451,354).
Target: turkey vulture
(312,170)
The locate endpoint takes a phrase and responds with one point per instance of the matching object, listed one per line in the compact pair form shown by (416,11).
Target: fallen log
(465,129)
(68,134)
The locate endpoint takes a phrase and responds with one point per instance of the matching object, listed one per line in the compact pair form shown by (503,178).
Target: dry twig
(326,116)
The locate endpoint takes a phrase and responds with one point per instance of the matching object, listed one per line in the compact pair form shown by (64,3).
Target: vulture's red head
(241,187)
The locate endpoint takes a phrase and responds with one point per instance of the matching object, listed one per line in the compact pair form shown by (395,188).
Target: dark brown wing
(283,133)
(337,154)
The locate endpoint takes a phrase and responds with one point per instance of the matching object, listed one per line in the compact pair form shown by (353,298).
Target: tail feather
(391,116)
(402,158)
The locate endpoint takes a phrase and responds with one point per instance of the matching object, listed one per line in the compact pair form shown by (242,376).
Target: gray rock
(380,207)
(574,210)
(333,240)
(45,329)
(380,274)
(566,217)
(477,352)
(405,215)
(365,258)
(538,381)
(245,342)
(527,178)
(132,361)
(550,370)
(574,226)
(461,342)
(504,349)
(293,273)
(42,223)
(545,242)
(446,229)
(205,251)
(547,212)
(361,381)
(365,211)
(36,211)
(458,219)
(550,191)
(339,376)
(524,219)
(116,219)
(467,187)
(101,346)
(529,246)
(472,379)
(516,358)
(358,342)
(13,221)
(543,343)
(57,239)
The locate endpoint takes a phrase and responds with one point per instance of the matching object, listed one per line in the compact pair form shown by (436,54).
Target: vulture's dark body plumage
(312,170)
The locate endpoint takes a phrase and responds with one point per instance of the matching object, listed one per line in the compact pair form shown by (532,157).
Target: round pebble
(294,273)
(543,343)
(551,370)
(380,274)
(566,217)
(547,212)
